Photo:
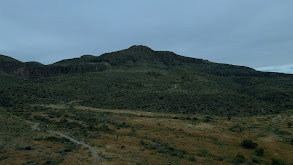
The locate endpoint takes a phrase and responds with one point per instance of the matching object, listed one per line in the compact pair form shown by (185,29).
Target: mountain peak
(140,48)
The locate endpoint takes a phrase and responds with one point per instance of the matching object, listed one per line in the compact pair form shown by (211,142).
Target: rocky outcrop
(31,70)
(68,69)
(13,66)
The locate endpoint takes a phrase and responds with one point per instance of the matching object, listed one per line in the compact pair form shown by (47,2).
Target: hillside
(142,106)
(140,78)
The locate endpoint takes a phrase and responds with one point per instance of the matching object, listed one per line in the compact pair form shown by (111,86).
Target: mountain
(144,79)
(135,56)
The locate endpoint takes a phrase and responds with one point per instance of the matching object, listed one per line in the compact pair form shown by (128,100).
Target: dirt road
(94,152)
(35,126)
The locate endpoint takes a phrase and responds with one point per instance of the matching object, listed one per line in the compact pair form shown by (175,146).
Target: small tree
(259,151)
(248,144)
(238,159)
(277,162)
(289,124)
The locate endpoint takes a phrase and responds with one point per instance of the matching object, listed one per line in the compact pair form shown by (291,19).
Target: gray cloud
(251,33)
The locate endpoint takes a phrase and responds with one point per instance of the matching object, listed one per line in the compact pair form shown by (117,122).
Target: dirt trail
(277,118)
(117,111)
(94,152)
(35,126)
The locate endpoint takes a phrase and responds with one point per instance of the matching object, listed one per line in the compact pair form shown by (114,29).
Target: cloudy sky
(254,33)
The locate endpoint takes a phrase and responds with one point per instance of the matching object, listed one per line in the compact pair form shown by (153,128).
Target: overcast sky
(254,33)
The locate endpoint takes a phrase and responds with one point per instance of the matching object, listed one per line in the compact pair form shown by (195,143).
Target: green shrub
(164,149)
(56,139)
(238,159)
(255,160)
(207,119)
(281,132)
(203,153)
(2,147)
(277,162)
(248,144)
(19,147)
(259,151)
(192,158)
(236,128)
(220,158)
(3,157)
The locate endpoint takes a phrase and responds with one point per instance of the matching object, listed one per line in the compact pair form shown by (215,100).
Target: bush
(207,119)
(255,160)
(239,159)
(203,153)
(259,151)
(3,157)
(277,162)
(192,158)
(2,147)
(220,158)
(236,128)
(248,144)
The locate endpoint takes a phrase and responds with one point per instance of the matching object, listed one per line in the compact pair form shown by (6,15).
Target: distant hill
(13,66)
(135,56)
(34,63)
(141,78)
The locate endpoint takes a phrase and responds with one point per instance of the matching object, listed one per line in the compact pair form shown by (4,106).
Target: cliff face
(12,66)
(69,69)
(31,70)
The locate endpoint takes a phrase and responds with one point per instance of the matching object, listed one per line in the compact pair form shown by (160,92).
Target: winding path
(94,152)
(35,126)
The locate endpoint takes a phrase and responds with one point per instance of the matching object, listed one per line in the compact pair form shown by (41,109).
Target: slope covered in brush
(161,81)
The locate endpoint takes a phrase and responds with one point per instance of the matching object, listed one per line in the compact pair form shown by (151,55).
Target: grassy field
(20,144)
(139,137)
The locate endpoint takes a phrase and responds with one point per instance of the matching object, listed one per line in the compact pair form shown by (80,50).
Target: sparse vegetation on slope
(144,106)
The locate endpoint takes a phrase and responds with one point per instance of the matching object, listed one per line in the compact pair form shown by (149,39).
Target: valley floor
(138,137)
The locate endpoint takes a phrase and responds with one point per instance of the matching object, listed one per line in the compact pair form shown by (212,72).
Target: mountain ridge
(136,55)
(144,79)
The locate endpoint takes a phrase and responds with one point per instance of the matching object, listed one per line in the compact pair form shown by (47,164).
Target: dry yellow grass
(213,137)
(150,138)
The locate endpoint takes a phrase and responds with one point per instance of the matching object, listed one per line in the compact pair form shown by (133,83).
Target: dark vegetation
(248,144)
(160,147)
(69,146)
(278,162)
(142,79)
(239,159)
(259,151)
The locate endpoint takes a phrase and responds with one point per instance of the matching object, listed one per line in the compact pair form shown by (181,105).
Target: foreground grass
(19,144)
(136,137)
